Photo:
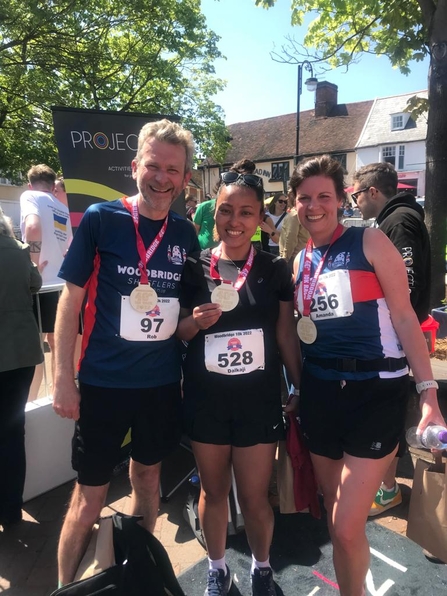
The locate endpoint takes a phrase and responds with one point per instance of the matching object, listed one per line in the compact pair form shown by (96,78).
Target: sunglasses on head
(249,179)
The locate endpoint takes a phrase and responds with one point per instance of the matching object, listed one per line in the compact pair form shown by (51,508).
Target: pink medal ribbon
(215,256)
(145,255)
(308,283)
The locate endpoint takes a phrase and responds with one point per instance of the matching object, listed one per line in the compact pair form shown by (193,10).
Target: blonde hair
(42,174)
(167,132)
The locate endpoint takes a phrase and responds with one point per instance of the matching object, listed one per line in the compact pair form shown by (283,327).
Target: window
(399,121)
(280,170)
(400,165)
(341,158)
(389,155)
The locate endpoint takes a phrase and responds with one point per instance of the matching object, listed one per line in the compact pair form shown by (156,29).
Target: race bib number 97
(156,325)
(235,352)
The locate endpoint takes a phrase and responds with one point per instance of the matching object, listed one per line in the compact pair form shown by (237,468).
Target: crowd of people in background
(250,284)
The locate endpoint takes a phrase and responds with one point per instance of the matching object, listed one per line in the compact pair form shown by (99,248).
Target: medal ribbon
(308,283)
(145,255)
(215,256)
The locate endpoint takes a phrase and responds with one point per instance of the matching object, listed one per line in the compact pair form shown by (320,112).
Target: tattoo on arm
(34,246)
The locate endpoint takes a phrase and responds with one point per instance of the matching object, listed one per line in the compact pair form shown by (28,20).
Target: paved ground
(28,550)
(301,556)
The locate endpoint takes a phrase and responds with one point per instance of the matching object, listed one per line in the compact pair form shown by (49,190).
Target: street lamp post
(311,85)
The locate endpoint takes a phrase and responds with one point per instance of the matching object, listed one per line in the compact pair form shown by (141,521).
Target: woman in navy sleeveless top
(357,331)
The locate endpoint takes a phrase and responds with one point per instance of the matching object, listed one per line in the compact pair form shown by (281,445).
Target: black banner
(96,149)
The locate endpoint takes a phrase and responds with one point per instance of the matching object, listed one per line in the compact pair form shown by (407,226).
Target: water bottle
(195,481)
(433,437)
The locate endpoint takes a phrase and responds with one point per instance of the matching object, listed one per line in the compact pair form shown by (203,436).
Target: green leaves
(152,56)
(340,29)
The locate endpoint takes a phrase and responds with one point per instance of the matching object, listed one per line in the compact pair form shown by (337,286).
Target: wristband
(293,391)
(272,234)
(423,385)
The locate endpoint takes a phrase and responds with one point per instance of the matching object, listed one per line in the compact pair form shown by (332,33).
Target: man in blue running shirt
(126,261)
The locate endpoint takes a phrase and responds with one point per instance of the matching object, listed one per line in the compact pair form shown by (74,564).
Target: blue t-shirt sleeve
(79,262)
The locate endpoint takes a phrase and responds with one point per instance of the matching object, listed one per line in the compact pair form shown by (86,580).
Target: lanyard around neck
(243,273)
(144,254)
(309,283)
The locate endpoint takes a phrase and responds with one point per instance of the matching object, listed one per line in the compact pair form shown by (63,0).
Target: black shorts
(237,420)
(48,307)
(153,415)
(363,419)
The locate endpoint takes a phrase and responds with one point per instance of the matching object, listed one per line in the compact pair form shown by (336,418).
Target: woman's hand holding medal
(206,315)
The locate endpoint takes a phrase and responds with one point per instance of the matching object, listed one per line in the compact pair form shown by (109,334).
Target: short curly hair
(324,165)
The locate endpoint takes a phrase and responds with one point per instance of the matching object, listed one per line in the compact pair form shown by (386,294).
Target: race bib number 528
(236,352)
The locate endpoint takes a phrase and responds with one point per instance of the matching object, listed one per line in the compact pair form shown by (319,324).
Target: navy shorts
(362,418)
(106,414)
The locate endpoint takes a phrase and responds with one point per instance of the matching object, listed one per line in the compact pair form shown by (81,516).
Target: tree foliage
(341,29)
(403,30)
(153,56)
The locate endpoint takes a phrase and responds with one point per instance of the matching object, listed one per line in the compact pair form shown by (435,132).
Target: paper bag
(284,480)
(427,518)
(100,553)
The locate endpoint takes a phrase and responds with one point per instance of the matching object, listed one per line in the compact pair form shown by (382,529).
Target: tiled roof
(196,178)
(377,129)
(274,138)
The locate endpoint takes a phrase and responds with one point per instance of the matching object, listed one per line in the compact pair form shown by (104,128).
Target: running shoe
(218,584)
(386,499)
(262,582)
(432,558)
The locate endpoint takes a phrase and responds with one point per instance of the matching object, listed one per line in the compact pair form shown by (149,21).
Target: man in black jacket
(401,218)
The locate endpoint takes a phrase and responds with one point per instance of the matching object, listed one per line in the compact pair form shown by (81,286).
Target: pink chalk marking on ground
(326,580)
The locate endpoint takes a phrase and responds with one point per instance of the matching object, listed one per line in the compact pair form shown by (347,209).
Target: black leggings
(14,389)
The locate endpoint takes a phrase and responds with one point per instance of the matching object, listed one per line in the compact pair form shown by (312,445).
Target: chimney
(326,98)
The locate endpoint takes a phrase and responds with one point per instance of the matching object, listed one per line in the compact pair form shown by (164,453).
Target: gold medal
(143,298)
(307,330)
(226,296)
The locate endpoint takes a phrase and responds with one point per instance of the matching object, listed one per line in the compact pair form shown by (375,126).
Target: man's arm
(66,398)
(33,236)
(35,277)
(406,237)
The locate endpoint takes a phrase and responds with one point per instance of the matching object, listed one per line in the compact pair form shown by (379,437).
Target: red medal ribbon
(308,283)
(145,255)
(215,256)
